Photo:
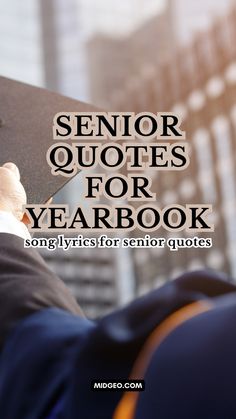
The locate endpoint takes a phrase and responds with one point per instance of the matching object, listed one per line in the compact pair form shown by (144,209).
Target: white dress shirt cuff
(9,224)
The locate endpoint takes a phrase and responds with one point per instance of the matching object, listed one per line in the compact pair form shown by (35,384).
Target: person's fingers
(12,192)
(13,168)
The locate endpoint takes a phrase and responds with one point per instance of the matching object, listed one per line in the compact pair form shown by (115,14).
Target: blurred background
(136,55)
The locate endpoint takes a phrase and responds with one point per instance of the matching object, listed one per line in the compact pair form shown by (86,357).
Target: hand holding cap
(12,192)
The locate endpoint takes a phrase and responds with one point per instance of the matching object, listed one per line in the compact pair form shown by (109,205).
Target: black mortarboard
(26,120)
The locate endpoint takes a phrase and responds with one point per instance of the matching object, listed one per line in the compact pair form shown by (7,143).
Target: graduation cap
(26,119)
